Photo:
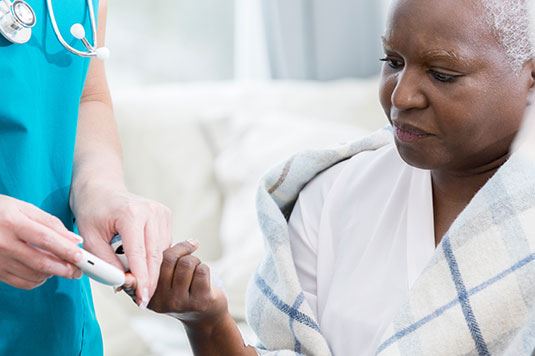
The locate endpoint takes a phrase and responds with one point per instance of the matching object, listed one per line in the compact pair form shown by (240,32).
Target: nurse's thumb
(102,249)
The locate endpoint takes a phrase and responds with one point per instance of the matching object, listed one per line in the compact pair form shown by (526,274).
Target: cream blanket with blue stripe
(475,297)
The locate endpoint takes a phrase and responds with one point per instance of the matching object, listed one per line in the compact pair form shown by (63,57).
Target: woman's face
(448,88)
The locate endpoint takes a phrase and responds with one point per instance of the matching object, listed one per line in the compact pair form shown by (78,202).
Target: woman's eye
(443,77)
(392,62)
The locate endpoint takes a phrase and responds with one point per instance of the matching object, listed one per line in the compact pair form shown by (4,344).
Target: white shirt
(361,233)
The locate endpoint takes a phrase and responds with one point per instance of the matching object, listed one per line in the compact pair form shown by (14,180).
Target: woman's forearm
(221,338)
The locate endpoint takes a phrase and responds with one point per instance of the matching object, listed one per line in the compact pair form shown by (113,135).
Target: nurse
(60,165)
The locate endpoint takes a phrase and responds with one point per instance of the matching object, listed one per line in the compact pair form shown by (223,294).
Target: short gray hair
(510,20)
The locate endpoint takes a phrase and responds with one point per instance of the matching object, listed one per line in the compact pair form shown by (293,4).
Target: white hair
(512,24)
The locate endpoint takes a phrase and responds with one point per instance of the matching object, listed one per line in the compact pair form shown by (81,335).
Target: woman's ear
(531,66)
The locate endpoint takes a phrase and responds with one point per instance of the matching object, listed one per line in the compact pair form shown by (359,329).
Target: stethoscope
(17,19)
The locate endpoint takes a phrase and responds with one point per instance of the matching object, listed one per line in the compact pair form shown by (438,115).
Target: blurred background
(208,95)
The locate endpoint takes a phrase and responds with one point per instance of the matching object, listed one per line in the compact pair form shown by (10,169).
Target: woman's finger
(170,258)
(184,270)
(130,281)
(167,270)
(200,285)
(184,248)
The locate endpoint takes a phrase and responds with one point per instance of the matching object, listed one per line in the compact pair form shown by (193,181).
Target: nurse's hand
(144,226)
(34,245)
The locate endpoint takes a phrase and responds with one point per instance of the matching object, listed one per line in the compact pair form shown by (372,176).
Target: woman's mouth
(409,133)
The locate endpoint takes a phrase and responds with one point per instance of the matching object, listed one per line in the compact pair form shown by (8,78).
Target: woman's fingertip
(130,281)
(192,242)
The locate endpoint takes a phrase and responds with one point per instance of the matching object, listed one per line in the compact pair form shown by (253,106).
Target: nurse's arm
(98,155)
(99,199)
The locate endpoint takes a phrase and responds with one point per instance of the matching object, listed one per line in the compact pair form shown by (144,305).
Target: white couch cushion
(255,147)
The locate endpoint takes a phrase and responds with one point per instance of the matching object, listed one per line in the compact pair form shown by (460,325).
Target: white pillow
(166,158)
(251,148)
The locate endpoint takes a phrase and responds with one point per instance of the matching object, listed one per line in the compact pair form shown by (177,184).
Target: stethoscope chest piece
(16,21)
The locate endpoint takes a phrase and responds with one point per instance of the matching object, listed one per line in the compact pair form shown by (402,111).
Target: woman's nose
(407,93)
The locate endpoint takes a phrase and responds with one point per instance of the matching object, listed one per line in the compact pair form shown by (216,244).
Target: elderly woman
(412,241)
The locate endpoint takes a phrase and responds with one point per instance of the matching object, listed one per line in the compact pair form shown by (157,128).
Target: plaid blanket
(475,297)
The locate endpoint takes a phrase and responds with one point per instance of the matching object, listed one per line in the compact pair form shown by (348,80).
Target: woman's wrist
(209,325)
(217,336)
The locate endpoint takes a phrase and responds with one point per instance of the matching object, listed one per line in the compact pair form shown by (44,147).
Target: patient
(362,235)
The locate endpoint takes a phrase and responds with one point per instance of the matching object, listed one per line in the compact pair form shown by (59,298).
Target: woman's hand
(184,290)
(144,226)
(34,245)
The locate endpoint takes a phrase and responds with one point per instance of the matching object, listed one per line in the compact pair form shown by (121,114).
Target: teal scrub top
(40,89)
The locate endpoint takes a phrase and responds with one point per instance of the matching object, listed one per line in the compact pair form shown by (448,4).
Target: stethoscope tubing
(91,49)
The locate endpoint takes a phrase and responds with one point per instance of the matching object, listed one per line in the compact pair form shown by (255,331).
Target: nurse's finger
(20,283)
(154,255)
(47,239)
(99,247)
(22,271)
(134,248)
(184,270)
(49,220)
(42,262)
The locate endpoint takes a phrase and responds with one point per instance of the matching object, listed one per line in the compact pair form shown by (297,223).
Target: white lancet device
(100,270)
